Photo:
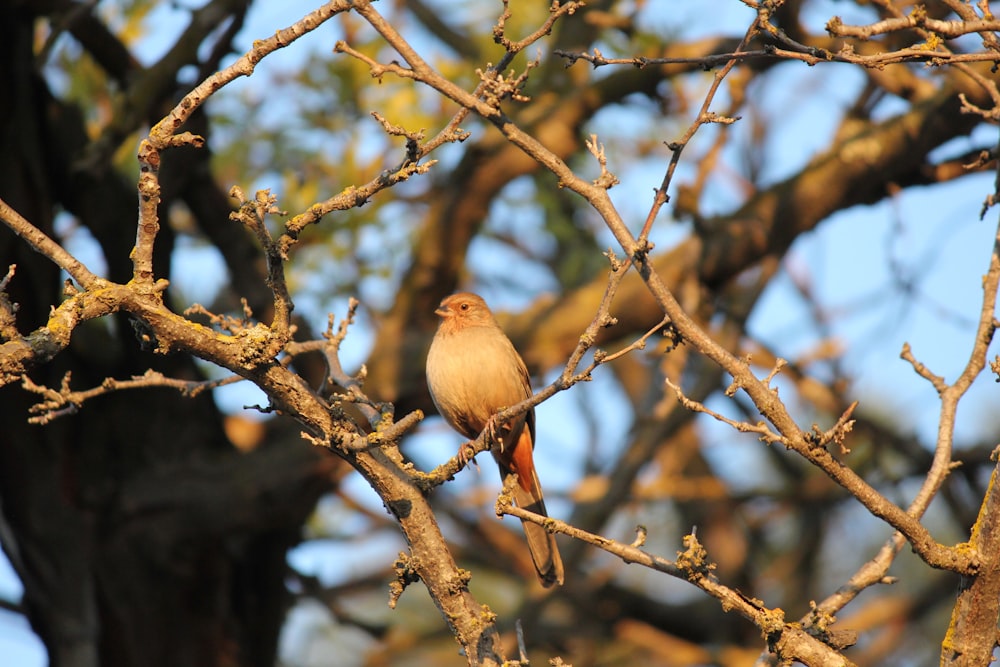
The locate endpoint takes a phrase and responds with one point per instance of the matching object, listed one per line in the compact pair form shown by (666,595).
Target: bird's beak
(442,311)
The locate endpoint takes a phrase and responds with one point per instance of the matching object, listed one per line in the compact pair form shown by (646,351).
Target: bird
(473,372)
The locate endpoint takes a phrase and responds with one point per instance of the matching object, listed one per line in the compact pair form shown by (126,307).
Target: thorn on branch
(571,58)
(263,409)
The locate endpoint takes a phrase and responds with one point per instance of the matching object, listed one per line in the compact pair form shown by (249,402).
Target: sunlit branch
(606,180)
(760,428)
(384,430)
(244,66)
(704,116)
(351,197)
(44,245)
(932,41)
(253,214)
(22,353)
(164,135)
(952,394)
(875,570)
(915,19)
(337,376)
(920,369)
(692,565)
(813,56)
(557,10)
(931,52)
(64,401)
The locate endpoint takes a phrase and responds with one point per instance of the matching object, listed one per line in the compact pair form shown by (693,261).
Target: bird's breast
(472,374)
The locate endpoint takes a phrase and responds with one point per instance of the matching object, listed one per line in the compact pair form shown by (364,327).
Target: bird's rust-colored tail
(528,496)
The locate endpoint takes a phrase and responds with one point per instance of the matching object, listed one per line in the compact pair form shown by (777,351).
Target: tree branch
(693,565)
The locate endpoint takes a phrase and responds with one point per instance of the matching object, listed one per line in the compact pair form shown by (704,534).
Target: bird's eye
(464,306)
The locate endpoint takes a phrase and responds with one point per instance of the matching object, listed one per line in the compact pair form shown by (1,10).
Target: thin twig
(40,242)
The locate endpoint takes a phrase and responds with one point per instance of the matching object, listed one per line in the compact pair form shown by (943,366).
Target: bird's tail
(528,496)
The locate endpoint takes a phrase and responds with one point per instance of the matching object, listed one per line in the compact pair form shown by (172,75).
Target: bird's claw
(467,455)
(492,432)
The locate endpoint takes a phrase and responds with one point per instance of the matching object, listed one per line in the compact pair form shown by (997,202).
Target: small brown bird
(473,371)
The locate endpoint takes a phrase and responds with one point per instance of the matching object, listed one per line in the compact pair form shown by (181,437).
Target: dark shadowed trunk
(140,534)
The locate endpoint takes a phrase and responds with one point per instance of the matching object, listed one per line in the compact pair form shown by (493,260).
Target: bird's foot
(467,455)
(493,433)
